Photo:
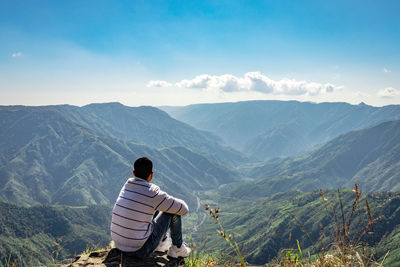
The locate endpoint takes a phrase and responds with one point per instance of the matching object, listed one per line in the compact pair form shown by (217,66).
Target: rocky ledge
(112,257)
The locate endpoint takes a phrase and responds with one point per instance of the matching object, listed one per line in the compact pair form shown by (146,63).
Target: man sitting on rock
(138,226)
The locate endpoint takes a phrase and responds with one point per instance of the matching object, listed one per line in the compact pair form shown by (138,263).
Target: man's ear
(134,173)
(150,177)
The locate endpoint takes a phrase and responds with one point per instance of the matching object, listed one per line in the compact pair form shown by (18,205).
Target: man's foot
(175,252)
(163,246)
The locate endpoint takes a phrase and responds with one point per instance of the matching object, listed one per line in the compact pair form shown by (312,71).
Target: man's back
(134,209)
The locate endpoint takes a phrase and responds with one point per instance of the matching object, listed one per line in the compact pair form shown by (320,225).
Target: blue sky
(183,52)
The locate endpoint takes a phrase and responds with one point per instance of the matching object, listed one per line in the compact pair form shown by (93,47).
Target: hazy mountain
(370,157)
(265,227)
(265,129)
(150,126)
(43,235)
(45,157)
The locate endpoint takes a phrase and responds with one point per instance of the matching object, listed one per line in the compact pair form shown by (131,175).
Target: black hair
(143,167)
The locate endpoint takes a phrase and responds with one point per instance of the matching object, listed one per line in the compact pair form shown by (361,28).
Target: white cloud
(259,82)
(389,92)
(16,54)
(251,81)
(385,70)
(158,84)
(200,81)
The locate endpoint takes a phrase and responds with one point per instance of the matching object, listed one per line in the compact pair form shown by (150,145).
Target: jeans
(162,222)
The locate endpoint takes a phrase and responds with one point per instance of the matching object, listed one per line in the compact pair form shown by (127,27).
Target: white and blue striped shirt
(131,223)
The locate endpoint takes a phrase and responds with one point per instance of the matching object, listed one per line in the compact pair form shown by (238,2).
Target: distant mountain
(266,129)
(48,158)
(43,235)
(370,157)
(150,126)
(264,227)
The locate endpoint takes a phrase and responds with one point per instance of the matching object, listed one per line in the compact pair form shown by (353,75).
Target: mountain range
(267,129)
(256,159)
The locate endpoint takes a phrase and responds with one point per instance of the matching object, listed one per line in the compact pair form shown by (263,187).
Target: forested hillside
(265,227)
(44,235)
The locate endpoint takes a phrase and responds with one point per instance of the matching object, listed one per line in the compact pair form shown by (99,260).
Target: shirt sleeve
(169,204)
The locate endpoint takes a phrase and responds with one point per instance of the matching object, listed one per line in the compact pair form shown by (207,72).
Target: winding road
(196,227)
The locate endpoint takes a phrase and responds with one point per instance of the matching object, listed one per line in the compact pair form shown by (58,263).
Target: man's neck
(141,179)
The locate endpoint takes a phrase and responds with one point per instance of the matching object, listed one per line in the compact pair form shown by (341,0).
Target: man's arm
(171,204)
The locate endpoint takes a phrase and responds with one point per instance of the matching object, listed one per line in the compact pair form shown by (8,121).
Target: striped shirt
(131,223)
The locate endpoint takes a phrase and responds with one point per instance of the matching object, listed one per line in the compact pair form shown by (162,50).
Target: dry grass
(347,248)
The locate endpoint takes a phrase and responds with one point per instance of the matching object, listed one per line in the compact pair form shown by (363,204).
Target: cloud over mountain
(251,81)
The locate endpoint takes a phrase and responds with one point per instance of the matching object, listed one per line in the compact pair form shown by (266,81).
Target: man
(136,224)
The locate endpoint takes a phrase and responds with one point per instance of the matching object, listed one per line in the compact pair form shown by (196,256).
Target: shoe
(175,252)
(163,246)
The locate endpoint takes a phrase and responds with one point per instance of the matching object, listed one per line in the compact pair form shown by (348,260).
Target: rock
(113,257)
